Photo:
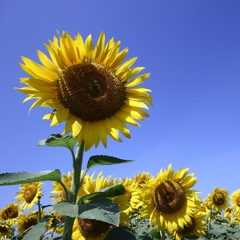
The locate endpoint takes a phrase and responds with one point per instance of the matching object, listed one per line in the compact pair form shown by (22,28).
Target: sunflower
(235,200)
(204,208)
(58,193)
(218,199)
(10,212)
(132,192)
(90,88)
(55,222)
(29,195)
(142,177)
(93,229)
(6,230)
(26,221)
(197,227)
(168,201)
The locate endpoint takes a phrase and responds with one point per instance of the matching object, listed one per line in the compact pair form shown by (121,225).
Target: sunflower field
(95,93)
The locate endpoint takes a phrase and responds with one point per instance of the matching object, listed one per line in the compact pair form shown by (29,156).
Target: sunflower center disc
(168,197)
(92,228)
(11,212)
(187,229)
(3,229)
(90,92)
(30,193)
(218,199)
(29,222)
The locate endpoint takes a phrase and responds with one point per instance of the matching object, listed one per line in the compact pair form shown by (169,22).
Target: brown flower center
(169,197)
(29,222)
(218,199)
(187,230)
(30,192)
(90,92)
(92,228)
(3,230)
(238,201)
(10,212)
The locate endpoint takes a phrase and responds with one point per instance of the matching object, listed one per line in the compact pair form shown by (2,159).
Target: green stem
(77,167)
(39,210)
(162,235)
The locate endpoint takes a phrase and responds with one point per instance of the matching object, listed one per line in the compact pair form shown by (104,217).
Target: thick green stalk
(77,167)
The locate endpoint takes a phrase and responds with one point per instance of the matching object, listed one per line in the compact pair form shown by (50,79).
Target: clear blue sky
(191,48)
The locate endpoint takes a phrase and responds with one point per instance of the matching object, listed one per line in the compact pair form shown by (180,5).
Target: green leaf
(66,208)
(231,236)
(99,160)
(237,235)
(101,209)
(155,234)
(121,233)
(28,177)
(105,192)
(36,232)
(56,140)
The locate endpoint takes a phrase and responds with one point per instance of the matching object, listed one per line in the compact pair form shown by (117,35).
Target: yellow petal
(136,81)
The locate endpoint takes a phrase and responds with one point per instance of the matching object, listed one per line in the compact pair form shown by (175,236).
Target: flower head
(168,201)
(90,88)
(218,199)
(196,227)
(29,194)
(235,200)
(10,212)
(6,230)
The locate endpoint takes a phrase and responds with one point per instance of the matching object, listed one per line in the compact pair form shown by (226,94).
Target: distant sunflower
(90,88)
(10,212)
(235,200)
(204,208)
(58,193)
(6,230)
(26,221)
(168,201)
(197,227)
(132,192)
(29,195)
(142,177)
(218,199)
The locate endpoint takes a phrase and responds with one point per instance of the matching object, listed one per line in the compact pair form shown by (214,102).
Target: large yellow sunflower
(168,201)
(218,199)
(58,193)
(235,200)
(90,88)
(29,194)
(197,227)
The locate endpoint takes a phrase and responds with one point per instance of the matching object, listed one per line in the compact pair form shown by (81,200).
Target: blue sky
(191,48)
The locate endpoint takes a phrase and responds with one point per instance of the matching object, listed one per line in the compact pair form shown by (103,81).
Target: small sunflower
(235,200)
(197,227)
(26,221)
(132,192)
(90,88)
(10,212)
(58,193)
(29,195)
(142,177)
(218,199)
(168,201)
(55,222)
(204,208)
(6,229)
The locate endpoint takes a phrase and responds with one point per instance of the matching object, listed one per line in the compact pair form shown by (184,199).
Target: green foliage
(100,160)
(36,232)
(112,191)
(57,140)
(28,177)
